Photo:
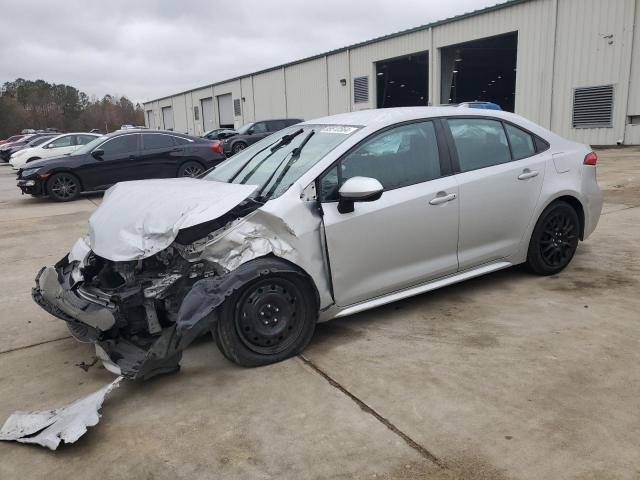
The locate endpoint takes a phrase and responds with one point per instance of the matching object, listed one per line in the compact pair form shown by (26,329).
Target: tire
(63,187)
(237,147)
(554,239)
(190,169)
(268,320)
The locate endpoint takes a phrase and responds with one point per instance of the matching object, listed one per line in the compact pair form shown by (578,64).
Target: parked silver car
(321,220)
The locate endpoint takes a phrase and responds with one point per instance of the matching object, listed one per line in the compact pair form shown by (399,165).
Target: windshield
(275,171)
(243,129)
(90,146)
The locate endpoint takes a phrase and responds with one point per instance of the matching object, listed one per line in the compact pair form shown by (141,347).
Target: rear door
(83,140)
(409,235)
(158,158)
(500,178)
(116,165)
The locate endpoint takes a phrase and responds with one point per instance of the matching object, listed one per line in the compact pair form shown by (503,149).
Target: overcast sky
(147,49)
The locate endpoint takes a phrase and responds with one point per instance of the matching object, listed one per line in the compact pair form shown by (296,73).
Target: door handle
(441,198)
(526,174)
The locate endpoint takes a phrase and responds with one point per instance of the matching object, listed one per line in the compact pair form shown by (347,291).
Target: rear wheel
(190,169)
(237,147)
(63,187)
(554,240)
(267,320)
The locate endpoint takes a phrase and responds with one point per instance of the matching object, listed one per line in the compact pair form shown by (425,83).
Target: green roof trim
(474,13)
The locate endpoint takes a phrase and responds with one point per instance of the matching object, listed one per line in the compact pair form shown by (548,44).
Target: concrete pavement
(504,376)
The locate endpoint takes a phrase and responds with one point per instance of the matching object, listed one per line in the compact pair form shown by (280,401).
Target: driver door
(408,236)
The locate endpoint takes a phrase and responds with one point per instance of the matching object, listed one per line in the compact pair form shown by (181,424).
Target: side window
(180,140)
(154,141)
(397,158)
(65,141)
(276,125)
(84,139)
(260,127)
(522,144)
(480,143)
(122,144)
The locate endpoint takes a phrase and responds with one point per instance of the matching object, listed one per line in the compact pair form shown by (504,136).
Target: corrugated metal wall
(593,47)
(268,93)
(306,89)
(562,44)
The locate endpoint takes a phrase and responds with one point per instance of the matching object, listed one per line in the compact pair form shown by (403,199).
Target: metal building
(570,65)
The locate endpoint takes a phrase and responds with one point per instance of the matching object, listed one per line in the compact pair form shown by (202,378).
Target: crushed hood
(141,218)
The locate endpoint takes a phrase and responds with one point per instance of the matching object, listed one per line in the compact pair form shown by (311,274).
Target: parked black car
(8,149)
(254,131)
(117,157)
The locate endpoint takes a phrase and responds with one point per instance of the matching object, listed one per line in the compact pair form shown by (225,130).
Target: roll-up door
(167,118)
(225,110)
(207,114)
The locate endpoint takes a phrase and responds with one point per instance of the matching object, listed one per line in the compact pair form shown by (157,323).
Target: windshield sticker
(339,129)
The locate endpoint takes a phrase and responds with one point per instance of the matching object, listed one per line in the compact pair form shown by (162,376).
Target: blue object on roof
(482,105)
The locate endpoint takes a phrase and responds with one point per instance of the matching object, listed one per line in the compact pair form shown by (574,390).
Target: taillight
(591,159)
(216,147)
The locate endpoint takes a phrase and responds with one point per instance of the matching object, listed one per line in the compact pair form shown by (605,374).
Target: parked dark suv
(254,131)
(117,157)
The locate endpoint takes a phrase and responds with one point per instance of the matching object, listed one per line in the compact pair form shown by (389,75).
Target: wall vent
(236,108)
(593,107)
(361,90)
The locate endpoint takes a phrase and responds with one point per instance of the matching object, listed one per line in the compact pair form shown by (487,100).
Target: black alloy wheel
(554,240)
(238,147)
(190,169)
(63,187)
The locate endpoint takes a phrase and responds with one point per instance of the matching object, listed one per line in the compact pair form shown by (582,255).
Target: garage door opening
(483,70)
(403,82)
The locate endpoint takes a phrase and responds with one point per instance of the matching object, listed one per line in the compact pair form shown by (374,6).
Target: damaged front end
(130,310)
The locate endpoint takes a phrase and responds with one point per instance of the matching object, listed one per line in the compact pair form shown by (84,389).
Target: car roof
(387,116)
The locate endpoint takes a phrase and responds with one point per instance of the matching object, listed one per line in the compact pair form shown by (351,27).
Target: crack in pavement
(628,207)
(17,349)
(366,408)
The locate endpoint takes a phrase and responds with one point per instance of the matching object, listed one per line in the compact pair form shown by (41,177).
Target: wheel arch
(572,200)
(64,170)
(302,271)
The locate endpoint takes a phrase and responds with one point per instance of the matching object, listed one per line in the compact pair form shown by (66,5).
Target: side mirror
(250,131)
(97,154)
(358,189)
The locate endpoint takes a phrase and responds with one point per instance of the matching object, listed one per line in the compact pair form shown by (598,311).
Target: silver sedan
(321,220)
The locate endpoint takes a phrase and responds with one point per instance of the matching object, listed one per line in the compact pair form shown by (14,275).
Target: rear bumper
(594,200)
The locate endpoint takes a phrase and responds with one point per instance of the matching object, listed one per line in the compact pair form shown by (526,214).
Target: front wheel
(63,187)
(554,240)
(268,320)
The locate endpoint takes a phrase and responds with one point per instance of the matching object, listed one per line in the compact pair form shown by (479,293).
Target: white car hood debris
(50,427)
(141,218)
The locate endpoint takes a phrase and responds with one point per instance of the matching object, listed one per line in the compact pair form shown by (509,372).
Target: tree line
(39,104)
